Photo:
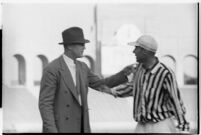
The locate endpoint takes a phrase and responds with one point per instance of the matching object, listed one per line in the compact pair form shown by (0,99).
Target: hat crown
(147,42)
(73,35)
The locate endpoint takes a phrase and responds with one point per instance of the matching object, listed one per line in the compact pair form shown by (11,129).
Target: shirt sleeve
(176,101)
(126,90)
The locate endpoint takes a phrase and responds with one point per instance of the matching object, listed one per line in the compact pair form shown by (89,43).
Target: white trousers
(164,126)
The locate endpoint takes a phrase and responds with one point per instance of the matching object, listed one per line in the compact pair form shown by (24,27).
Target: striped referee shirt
(156,95)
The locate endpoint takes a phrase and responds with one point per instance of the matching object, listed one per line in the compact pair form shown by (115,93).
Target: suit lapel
(66,75)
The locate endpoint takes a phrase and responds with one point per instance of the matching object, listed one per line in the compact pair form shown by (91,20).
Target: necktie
(78,83)
(80,95)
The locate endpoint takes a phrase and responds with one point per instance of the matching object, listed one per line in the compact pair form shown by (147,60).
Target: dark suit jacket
(58,101)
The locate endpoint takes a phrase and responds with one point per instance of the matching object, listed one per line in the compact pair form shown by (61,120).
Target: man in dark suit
(64,87)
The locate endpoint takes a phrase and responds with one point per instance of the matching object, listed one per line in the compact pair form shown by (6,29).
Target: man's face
(140,54)
(77,50)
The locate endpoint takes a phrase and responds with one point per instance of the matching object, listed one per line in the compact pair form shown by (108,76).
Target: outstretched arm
(116,79)
(123,90)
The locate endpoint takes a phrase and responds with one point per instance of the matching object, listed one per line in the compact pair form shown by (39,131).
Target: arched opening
(169,61)
(89,61)
(43,59)
(190,70)
(21,69)
(39,65)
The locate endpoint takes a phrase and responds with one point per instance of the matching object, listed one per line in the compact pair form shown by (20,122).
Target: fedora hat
(73,35)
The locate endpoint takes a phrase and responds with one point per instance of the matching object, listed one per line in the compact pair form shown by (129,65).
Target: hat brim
(76,42)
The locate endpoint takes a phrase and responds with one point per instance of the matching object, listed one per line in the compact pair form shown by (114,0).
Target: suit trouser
(82,120)
(164,126)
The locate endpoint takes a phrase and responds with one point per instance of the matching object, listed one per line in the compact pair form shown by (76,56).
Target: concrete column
(29,72)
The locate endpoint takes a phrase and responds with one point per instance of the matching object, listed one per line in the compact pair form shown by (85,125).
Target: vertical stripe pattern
(156,94)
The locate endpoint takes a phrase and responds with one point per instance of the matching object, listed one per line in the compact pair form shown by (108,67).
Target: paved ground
(119,111)
(107,114)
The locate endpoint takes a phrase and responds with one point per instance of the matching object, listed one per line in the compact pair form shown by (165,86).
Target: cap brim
(133,43)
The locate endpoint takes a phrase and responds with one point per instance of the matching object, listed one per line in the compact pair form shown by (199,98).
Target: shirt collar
(68,60)
(155,67)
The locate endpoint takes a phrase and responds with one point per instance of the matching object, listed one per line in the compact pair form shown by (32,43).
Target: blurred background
(32,31)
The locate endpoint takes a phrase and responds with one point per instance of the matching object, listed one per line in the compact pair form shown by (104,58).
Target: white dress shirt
(71,65)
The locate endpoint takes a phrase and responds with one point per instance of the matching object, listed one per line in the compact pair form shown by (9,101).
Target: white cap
(147,42)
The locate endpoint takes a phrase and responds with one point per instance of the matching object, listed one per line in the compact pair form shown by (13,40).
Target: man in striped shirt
(157,100)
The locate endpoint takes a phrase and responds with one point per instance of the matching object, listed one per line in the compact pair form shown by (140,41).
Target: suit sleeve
(46,100)
(116,79)
(112,81)
(94,80)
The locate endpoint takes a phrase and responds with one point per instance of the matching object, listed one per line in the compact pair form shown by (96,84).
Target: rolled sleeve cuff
(184,126)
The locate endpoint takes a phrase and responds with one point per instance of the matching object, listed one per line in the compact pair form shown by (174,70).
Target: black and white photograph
(100,67)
